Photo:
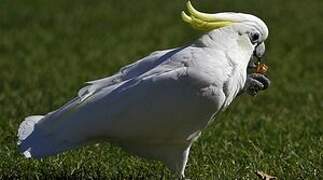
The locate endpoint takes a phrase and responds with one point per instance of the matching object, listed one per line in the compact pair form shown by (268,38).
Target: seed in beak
(262,68)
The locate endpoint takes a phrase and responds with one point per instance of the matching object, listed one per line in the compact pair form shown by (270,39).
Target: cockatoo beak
(257,55)
(259,51)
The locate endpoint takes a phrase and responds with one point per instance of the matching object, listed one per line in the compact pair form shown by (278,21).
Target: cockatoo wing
(128,72)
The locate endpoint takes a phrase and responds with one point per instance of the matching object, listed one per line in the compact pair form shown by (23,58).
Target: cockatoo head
(244,24)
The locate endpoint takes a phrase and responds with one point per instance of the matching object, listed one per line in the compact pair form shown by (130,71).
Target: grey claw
(256,82)
(253,86)
(261,78)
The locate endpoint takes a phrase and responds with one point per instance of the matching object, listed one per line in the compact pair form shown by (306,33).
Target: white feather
(27,127)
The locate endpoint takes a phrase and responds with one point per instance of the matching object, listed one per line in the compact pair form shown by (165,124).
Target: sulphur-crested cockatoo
(158,106)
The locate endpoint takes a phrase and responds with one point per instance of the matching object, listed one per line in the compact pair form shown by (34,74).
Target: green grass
(48,49)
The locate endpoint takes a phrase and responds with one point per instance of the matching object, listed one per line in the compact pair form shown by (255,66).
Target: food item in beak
(261,68)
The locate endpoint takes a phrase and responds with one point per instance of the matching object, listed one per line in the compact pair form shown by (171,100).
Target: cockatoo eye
(254,37)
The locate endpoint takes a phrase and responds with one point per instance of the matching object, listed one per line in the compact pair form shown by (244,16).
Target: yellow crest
(203,21)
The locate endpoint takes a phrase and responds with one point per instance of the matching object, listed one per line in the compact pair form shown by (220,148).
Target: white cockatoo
(158,106)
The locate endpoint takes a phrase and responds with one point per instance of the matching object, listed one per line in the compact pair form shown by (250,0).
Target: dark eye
(254,37)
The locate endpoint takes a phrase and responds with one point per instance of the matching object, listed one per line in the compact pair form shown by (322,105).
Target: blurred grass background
(48,49)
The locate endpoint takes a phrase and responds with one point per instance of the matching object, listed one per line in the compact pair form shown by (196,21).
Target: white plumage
(157,106)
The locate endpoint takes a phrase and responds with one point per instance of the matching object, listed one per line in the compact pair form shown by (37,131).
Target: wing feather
(128,72)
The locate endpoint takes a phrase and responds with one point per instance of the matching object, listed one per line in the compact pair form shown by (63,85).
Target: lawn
(48,49)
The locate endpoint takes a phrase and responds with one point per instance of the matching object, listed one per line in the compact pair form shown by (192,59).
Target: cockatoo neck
(236,48)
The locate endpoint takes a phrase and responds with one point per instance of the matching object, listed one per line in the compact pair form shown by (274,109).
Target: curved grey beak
(260,50)
(258,53)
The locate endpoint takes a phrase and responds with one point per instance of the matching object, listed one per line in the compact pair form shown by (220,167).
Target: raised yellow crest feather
(203,21)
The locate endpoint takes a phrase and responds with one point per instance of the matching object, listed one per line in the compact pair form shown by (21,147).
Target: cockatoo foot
(256,82)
